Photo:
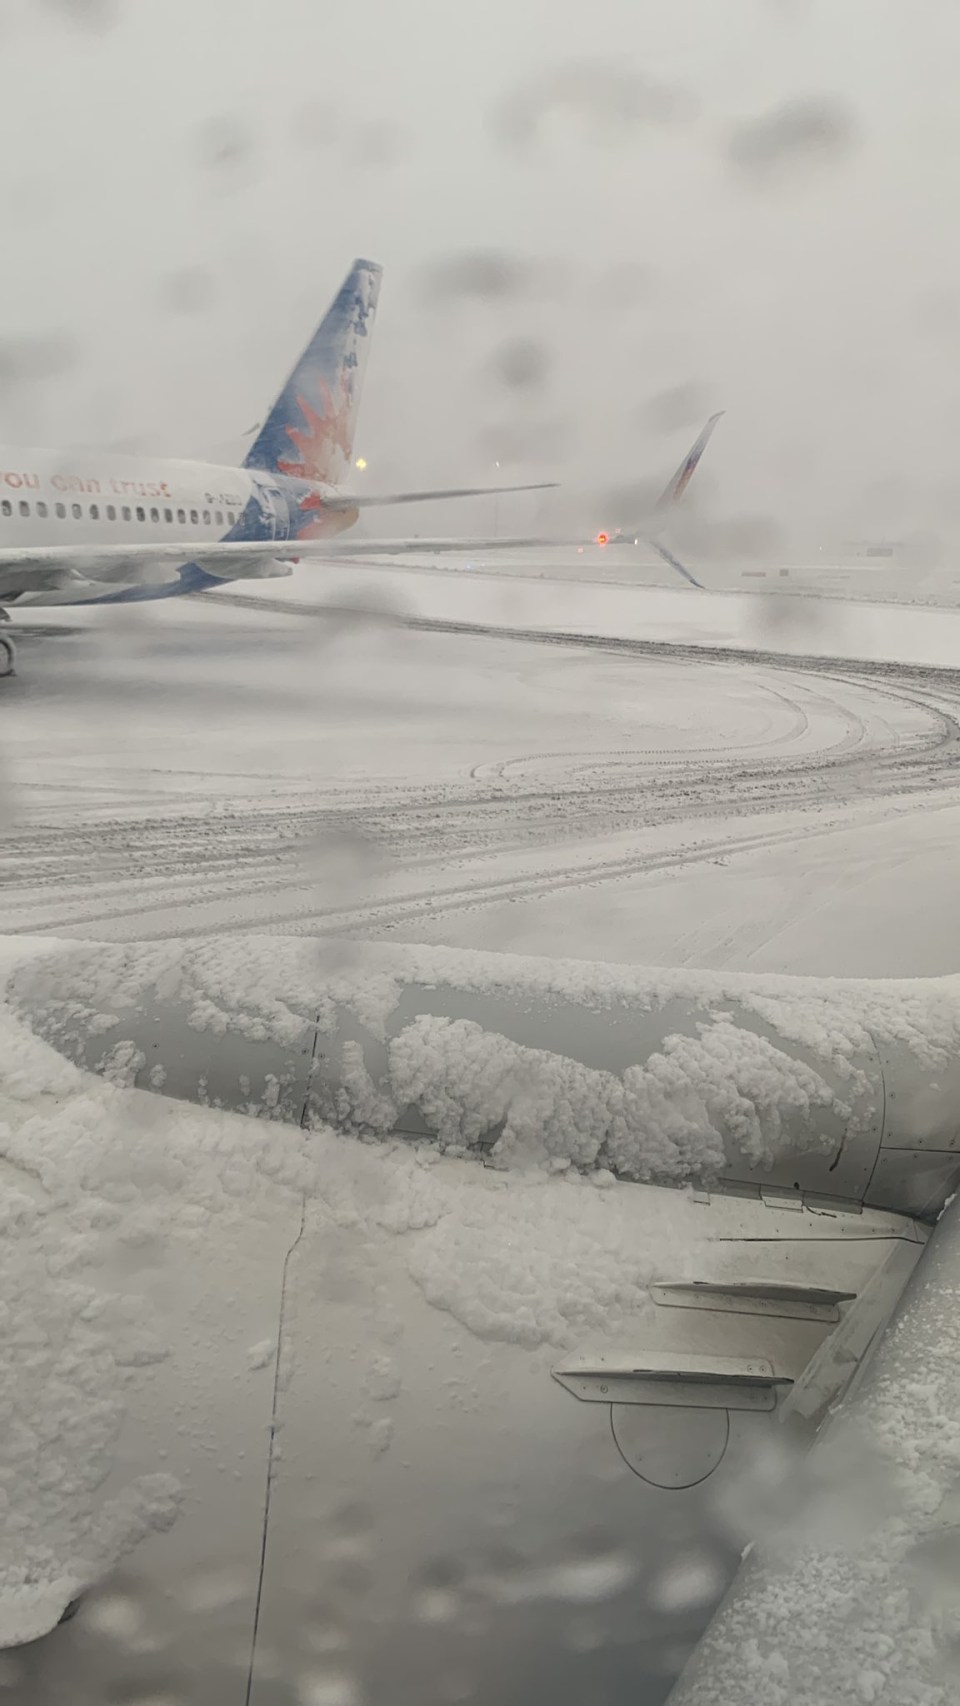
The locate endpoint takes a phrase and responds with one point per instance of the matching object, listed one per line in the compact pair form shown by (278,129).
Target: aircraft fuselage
(49,499)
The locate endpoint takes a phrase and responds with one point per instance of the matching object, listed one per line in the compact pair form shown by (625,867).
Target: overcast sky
(599,222)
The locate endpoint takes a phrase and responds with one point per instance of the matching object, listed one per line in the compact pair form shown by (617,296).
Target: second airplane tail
(676,487)
(650,530)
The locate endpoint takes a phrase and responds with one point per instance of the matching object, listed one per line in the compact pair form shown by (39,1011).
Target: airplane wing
(367,548)
(801,1270)
(58,568)
(356,500)
(851,1596)
(334,548)
(674,562)
(25,569)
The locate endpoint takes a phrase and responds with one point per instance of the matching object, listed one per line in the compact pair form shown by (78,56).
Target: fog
(597,224)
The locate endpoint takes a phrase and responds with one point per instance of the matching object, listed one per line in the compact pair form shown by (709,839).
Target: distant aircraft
(647,531)
(107,529)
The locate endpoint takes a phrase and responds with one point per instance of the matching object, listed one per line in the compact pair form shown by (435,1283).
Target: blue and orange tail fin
(309,431)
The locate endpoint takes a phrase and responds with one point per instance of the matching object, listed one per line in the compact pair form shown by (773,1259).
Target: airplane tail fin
(688,467)
(309,431)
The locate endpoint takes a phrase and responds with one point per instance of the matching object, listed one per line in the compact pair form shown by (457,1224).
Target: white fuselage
(51,498)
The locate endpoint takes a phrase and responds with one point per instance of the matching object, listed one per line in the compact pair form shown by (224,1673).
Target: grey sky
(181,192)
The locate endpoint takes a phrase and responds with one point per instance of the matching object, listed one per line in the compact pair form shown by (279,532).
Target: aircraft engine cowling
(836,1091)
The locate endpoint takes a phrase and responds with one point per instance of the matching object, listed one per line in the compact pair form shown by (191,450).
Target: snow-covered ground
(299,757)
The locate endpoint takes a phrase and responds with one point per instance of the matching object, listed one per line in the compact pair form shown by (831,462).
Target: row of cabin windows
(126,514)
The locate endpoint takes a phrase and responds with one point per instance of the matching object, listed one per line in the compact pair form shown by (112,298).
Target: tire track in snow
(145,868)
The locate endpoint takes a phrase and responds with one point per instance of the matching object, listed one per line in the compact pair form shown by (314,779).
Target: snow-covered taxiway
(223,770)
(314,762)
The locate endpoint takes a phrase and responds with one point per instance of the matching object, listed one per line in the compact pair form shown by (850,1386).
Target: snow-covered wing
(23,567)
(416,547)
(27,568)
(45,577)
(559,1076)
(854,1597)
(356,500)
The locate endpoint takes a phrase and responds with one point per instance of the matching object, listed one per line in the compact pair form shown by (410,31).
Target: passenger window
(141,513)
(219,517)
(126,512)
(6,507)
(206,518)
(111,513)
(168,515)
(194,517)
(94,512)
(230,517)
(61,511)
(77,512)
(41,508)
(181,516)
(24,507)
